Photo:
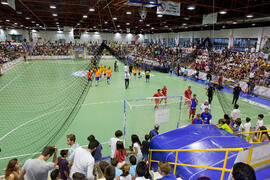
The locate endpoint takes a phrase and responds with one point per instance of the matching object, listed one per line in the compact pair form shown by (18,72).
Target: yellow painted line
(261,163)
(176,157)
(228,149)
(252,132)
(150,159)
(249,155)
(224,165)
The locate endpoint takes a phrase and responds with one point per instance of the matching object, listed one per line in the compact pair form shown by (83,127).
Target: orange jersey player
(164,93)
(139,72)
(89,76)
(157,101)
(97,75)
(109,73)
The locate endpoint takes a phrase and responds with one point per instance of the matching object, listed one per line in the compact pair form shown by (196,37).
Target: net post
(180,106)
(125,122)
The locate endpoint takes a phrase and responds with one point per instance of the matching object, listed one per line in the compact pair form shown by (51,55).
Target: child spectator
(194,103)
(109,173)
(243,171)
(63,165)
(145,147)
(164,169)
(229,121)
(113,142)
(55,175)
(142,172)
(247,127)
(136,145)
(100,169)
(114,162)
(222,124)
(260,121)
(78,176)
(206,116)
(238,128)
(133,162)
(126,175)
(264,135)
(197,119)
(120,153)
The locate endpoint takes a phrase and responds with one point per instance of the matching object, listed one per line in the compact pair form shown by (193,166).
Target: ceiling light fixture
(106,22)
(78,24)
(4,2)
(33,21)
(19,12)
(8,20)
(128,12)
(27,18)
(166,26)
(15,23)
(147,24)
(118,26)
(234,22)
(152,28)
(57,22)
(94,27)
(85,16)
(128,24)
(141,20)
(184,24)
(159,15)
(223,27)
(249,16)
(222,12)
(187,18)
(92,9)
(115,18)
(253,24)
(54,14)
(52,6)
(191,7)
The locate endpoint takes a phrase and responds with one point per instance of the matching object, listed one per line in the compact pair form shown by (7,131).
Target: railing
(175,163)
(251,135)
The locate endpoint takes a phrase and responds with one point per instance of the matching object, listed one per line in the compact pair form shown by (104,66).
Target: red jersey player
(188,94)
(164,93)
(157,101)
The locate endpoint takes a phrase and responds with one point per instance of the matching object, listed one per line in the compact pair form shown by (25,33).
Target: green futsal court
(37,97)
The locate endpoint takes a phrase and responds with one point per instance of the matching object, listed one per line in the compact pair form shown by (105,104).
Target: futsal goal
(141,115)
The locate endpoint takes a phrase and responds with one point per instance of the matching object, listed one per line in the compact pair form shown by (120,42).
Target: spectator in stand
(154,132)
(133,162)
(125,175)
(206,117)
(236,113)
(260,121)
(237,91)
(136,146)
(78,176)
(142,172)
(71,138)
(242,171)
(247,128)
(110,173)
(264,135)
(38,168)
(99,169)
(197,119)
(114,140)
(63,165)
(114,162)
(238,128)
(145,147)
(164,169)
(12,170)
(205,105)
(229,121)
(222,125)
(120,154)
(83,161)
(98,147)
(55,174)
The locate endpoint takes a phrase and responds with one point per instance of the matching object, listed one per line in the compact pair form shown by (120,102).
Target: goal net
(141,115)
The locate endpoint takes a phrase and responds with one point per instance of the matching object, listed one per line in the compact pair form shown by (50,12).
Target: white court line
(14,78)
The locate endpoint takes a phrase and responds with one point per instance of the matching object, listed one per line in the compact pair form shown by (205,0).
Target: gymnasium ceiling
(37,14)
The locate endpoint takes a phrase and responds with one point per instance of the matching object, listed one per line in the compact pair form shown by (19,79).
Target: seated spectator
(229,121)
(78,176)
(264,135)
(55,174)
(38,168)
(133,162)
(125,175)
(109,173)
(238,128)
(114,162)
(197,119)
(242,171)
(145,147)
(12,169)
(98,148)
(222,125)
(142,171)
(63,164)
(164,169)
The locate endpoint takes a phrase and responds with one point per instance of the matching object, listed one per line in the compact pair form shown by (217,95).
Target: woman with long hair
(264,137)
(97,152)
(120,153)
(12,170)
(136,145)
(125,175)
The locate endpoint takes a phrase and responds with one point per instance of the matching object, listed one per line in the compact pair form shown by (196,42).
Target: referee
(236,93)
(127,77)
(210,93)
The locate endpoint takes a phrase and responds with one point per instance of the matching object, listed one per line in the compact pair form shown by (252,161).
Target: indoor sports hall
(95,67)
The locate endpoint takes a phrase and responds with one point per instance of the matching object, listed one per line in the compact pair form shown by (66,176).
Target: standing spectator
(264,135)
(12,169)
(71,138)
(83,161)
(164,169)
(204,106)
(185,73)
(210,93)
(120,153)
(197,120)
(133,162)
(222,125)
(98,148)
(114,140)
(206,116)
(154,132)
(127,77)
(100,169)
(236,113)
(236,93)
(63,165)
(125,175)
(130,69)
(238,128)
(242,171)
(145,147)
(247,128)
(136,145)
(114,162)
(260,121)
(38,168)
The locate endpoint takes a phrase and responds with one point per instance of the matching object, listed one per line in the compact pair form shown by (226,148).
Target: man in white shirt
(71,138)
(83,162)
(127,77)
(247,127)
(125,68)
(114,140)
(259,122)
(236,112)
(205,105)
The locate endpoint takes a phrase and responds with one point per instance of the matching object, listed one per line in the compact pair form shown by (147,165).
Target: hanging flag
(263,42)
(231,41)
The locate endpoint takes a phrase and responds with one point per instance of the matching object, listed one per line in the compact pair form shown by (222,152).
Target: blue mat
(197,137)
